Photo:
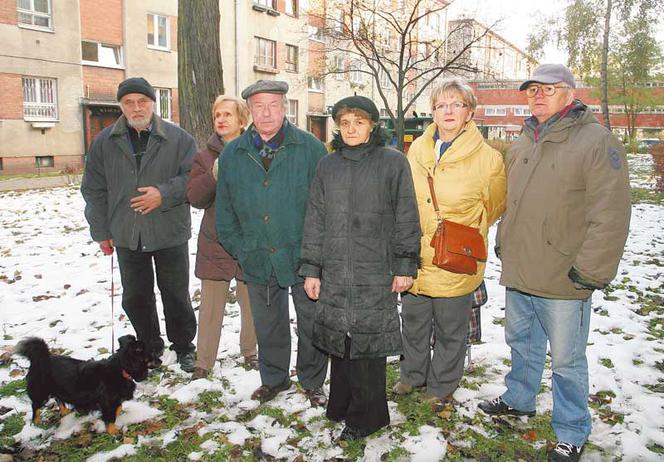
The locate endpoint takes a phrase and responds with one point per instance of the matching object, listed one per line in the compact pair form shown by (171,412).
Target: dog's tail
(33,348)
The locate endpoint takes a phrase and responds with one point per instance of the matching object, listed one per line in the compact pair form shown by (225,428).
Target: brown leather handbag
(458,247)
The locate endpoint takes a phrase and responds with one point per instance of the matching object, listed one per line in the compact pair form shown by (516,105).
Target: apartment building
(61,64)
(502,109)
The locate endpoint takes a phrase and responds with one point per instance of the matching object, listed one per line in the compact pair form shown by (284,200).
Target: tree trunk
(200,74)
(603,72)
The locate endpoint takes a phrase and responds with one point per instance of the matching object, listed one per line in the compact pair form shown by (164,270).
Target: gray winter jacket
(361,229)
(111,179)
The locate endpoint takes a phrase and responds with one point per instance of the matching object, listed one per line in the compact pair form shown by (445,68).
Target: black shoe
(265,393)
(316,397)
(565,452)
(187,360)
(352,434)
(499,407)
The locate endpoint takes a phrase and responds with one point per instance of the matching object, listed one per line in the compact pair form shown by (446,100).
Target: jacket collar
(120,127)
(291,136)
(463,146)
(555,129)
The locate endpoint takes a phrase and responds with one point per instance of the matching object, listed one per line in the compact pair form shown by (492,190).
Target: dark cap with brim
(265,86)
(357,102)
(136,85)
(549,74)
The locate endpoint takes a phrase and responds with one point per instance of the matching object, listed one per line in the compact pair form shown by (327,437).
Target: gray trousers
(269,306)
(448,317)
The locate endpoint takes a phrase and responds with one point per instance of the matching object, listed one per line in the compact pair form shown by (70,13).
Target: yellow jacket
(470,187)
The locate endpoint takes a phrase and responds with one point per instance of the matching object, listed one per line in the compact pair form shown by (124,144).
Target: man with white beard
(134,188)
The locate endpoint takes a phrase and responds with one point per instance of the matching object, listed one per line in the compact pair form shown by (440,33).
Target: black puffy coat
(361,229)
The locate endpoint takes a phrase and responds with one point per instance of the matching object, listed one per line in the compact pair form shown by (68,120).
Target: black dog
(86,385)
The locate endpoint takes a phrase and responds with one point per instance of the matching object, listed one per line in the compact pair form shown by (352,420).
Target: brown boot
(265,393)
(316,397)
(402,389)
(200,373)
(251,362)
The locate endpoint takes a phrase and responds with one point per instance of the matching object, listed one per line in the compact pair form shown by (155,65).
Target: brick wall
(101,83)
(101,21)
(8,13)
(174,32)
(27,164)
(175,105)
(11,95)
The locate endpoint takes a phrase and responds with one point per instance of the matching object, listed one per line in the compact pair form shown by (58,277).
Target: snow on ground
(55,283)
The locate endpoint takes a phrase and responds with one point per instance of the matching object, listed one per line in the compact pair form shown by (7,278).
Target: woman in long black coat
(360,250)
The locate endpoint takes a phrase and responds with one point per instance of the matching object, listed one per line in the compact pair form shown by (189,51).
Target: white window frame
(316,84)
(164,95)
(339,67)
(357,75)
(495,111)
(316,33)
(40,99)
(155,32)
(291,111)
(522,111)
(44,162)
(384,79)
(263,46)
(100,47)
(32,13)
(294,11)
(292,63)
(265,3)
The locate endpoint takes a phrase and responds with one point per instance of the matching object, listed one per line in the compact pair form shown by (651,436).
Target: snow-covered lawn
(55,284)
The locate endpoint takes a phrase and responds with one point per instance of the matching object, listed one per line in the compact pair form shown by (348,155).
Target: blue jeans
(530,322)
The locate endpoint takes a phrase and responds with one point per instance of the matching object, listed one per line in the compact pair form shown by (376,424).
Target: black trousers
(138,299)
(357,392)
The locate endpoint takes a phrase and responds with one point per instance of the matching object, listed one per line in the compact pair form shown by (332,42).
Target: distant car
(646,143)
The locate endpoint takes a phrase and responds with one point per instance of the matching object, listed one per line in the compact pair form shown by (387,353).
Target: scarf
(268,149)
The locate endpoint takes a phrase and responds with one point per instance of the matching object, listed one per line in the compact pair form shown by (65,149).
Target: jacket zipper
(349,253)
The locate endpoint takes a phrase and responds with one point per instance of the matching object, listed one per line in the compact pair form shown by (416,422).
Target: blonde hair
(455,86)
(241,108)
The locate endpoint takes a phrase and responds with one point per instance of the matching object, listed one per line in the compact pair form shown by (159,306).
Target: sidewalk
(15,184)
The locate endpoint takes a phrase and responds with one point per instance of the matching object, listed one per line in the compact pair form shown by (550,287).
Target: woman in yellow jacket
(470,185)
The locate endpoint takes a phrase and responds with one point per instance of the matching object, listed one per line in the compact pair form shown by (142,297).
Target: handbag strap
(433,196)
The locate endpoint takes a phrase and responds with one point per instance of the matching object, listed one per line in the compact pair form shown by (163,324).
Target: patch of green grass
(655,327)
(646,196)
(354,450)
(659,365)
(656,387)
(606,362)
(7,337)
(10,427)
(174,412)
(78,447)
(656,448)
(13,388)
(637,362)
(209,400)
(397,453)
(277,414)
(499,321)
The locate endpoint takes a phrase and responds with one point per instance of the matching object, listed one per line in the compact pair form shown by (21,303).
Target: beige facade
(44,133)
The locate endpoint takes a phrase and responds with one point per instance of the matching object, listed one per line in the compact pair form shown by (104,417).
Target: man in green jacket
(134,188)
(561,238)
(262,193)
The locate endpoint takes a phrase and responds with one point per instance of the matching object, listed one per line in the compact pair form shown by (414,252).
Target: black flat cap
(136,85)
(265,86)
(357,102)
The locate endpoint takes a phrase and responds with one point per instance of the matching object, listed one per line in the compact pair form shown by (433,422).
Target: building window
(315,83)
(163,105)
(338,67)
(522,111)
(495,111)
(291,7)
(100,54)
(35,13)
(40,100)
(265,3)
(356,73)
(1,166)
(44,161)
(315,33)
(291,58)
(159,32)
(384,79)
(384,113)
(291,114)
(266,52)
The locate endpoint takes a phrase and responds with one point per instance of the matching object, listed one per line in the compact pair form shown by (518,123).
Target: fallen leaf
(15,373)
(530,435)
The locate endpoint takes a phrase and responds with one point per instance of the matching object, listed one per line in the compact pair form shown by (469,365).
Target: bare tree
(385,40)
(200,73)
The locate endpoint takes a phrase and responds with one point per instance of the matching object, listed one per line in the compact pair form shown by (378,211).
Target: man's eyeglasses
(454,107)
(547,90)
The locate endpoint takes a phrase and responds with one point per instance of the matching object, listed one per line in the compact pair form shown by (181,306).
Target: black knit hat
(356,102)
(136,85)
